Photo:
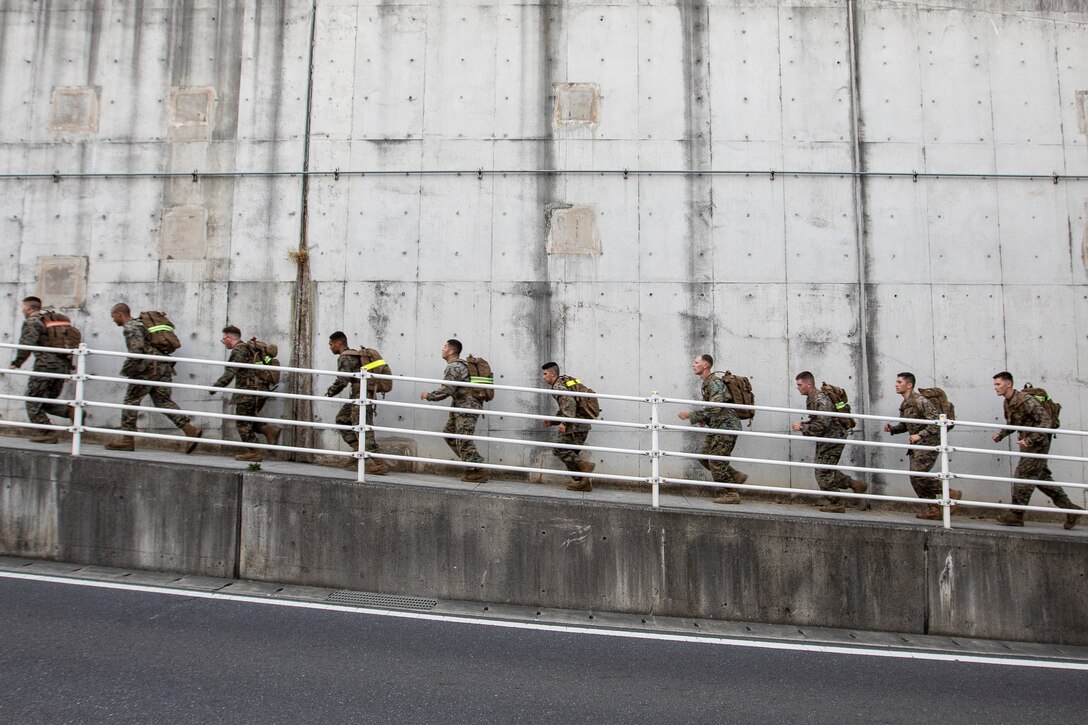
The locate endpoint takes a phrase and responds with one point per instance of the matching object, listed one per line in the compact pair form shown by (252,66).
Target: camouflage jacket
(921,407)
(716,391)
(138,342)
(243,378)
(33,333)
(822,426)
(349,362)
(568,408)
(457,372)
(1023,409)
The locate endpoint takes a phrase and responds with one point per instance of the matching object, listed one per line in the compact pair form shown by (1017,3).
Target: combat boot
(376,467)
(253,455)
(1011,518)
(581,484)
(46,437)
(70,413)
(1071,520)
(122,443)
(474,475)
(858,486)
(739,477)
(728,497)
(834,508)
(932,513)
(193,432)
(271,434)
(586,466)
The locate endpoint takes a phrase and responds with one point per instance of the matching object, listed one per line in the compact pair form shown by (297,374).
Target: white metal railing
(650,426)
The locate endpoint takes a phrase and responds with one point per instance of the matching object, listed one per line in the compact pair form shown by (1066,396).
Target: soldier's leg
(348,415)
(451,427)
(38,388)
(466,425)
(246,405)
(569,456)
(924,486)
(1036,469)
(371,441)
(133,395)
(828,454)
(719,445)
(160,397)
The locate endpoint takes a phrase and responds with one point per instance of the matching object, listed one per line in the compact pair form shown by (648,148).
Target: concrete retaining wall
(539,551)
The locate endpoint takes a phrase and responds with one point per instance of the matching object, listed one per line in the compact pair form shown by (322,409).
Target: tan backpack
(1053,407)
(479,371)
(372,362)
(740,389)
(589,407)
(841,402)
(59,331)
(944,405)
(161,329)
(264,354)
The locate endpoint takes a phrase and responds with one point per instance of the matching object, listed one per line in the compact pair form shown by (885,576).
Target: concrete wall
(538,551)
(953,278)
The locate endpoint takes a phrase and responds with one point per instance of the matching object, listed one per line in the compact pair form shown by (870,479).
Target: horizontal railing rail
(647,424)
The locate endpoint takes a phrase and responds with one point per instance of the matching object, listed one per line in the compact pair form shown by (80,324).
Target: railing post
(655,449)
(946,501)
(80,355)
(362,428)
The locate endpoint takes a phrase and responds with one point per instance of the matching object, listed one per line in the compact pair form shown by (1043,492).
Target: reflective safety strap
(572,382)
(840,406)
(160,328)
(376,364)
(58,323)
(481,380)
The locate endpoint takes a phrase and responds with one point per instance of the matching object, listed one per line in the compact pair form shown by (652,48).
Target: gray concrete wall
(855,280)
(538,551)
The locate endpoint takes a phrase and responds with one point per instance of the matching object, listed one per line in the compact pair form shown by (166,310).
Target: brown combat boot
(586,466)
(858,486)
(474,475)
(1072,520)
(70,413)
(1011,518)
(739,477)
(193,432)
(271,434)
(834,508)
(932,513)
(122,443)
(729,497)
(376,467)
(253,455)
(46,437)
(581,484)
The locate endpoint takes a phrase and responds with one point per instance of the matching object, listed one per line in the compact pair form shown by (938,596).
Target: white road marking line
(561,628)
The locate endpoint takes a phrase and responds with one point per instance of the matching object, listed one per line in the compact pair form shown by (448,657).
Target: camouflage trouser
(571,456)
(248,405)
(719,445)
(1036,469)
(463,448)
(828,454)
(44,388)
(349,415)
(160,398)
(924,487)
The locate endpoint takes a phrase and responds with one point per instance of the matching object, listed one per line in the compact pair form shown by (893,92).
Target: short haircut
(338,336)
(551,366)
(121,307)
(34,303)
(909,377)
(707,358)
(455,345)
(806,377)
(1004,375)
(232,330)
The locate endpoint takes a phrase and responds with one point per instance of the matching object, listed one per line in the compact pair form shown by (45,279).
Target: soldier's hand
(795,426)
(997,437)
(422,396)
(914,438)
(684,414)
(562,427)
(545,423)
(1022,443)
(887,427)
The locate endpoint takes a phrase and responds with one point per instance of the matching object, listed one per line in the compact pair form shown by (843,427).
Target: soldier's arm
(455,372)
(929,412)
(238,355)
(343,365)
(29,335)
(1040,419)
(719,393)
(819,425)
(568,406)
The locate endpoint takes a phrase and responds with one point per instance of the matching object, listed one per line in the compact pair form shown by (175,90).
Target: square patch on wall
(184,232)
(572,229)
(74,110)
(192,113)
(577,104)
(62,281)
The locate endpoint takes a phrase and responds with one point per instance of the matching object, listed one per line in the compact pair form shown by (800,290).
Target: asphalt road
(82,654)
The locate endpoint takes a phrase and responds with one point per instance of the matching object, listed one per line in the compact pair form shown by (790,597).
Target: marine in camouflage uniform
(248,405)
(34,333)
(827,454)
(350,363)
(1024,410)
(138,342)
(569,433)
(714,390)
(916,405)
(459,423)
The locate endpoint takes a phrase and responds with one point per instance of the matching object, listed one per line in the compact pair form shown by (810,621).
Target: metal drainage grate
(386,601)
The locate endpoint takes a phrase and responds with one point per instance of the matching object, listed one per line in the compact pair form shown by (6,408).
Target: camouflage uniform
(574,433)
(716,391)
(244,379)
(350,361)
(1023,409)
(138,342)
(920,407)
(34,333)
(459,423)
(827,454)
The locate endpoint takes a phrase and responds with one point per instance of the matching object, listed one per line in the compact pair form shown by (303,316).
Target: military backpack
(372,362)
(1053,407)
(841,402)
(588,407)
(740,389)
(161,330)
(479,371)
(264,354)
(59,331)
(944,405)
